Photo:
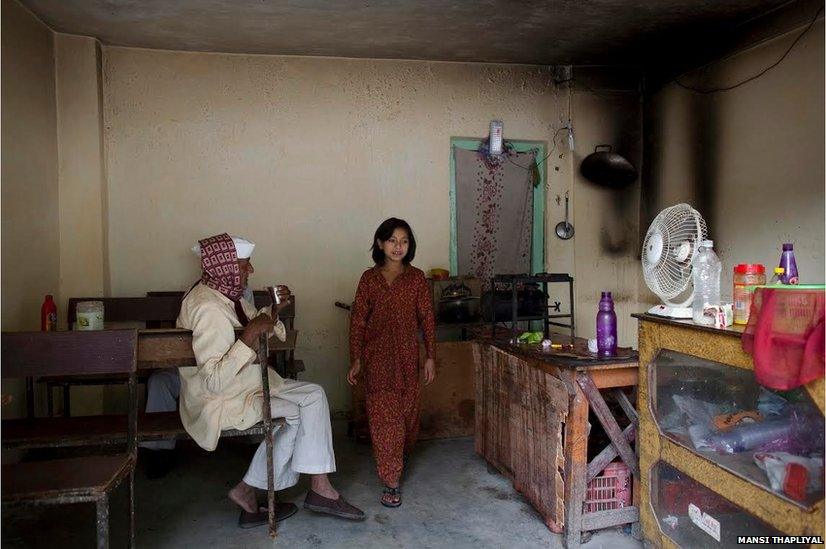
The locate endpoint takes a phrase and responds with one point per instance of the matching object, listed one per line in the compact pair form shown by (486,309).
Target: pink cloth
(785,336)
(219,266)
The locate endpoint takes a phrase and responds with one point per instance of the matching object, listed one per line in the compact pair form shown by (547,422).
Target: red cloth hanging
(785,336)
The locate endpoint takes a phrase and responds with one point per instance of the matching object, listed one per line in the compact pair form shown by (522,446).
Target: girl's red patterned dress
(384,329)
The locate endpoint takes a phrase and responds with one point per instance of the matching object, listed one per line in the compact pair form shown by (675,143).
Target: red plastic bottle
(48,315)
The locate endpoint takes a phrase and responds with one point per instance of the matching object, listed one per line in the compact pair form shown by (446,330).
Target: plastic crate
(609,490)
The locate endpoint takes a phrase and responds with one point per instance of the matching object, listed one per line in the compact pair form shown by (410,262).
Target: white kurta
(224,390)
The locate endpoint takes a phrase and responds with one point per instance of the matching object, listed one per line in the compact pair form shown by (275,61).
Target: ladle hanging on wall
(565,230)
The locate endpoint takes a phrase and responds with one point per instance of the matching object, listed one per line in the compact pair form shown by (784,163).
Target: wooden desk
(532,425)
(157,348)
(172,347)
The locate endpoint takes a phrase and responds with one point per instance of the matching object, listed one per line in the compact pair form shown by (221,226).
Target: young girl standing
(392,302)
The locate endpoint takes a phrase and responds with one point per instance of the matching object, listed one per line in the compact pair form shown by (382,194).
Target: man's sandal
(283,511)
(391,497)
(336,507)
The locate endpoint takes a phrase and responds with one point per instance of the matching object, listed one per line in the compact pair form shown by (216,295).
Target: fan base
(669,311)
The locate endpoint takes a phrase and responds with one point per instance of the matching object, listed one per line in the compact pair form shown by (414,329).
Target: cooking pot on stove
(458,309)
(456,304)
(530,299)
(456,290)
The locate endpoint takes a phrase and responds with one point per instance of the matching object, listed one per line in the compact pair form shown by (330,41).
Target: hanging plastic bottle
(48,315)
(788,263)
(606,327)
(706,276)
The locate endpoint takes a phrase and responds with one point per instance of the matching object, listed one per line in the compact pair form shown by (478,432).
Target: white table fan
(668,252)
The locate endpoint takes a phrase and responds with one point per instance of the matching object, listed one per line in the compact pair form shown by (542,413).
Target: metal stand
(547,318)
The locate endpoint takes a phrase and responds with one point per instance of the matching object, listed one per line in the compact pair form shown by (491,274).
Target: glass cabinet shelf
(772,439)
(695,517)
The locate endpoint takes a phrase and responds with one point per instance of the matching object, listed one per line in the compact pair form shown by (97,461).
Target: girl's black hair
(385,231)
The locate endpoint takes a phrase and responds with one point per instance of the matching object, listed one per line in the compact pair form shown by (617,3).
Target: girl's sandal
(391,497)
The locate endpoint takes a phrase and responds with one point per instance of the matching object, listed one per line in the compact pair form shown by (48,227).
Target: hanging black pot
(607,168)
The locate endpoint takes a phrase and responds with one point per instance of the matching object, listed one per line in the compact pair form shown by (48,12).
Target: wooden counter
(532,425)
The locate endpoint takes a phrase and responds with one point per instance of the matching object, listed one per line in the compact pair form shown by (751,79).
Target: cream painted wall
(30,216)
(750,159)
(305,156)
(602,255)
(81,184)
(81,173)
(607,220)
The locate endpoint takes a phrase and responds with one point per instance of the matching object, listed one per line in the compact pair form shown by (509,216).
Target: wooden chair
(80,479)
(154,312)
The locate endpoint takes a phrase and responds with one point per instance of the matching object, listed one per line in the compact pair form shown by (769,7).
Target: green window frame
(538,237)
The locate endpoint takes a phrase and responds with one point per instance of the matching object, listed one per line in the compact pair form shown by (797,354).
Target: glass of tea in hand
(279,293)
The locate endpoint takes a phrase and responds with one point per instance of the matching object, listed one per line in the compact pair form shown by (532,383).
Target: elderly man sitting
(224,390)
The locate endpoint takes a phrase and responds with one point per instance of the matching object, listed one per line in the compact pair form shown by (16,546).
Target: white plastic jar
(89,315)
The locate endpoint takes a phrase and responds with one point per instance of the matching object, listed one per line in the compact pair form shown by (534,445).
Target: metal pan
(608,168)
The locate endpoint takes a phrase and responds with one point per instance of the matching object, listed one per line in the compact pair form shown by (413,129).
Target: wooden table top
(576,357)
(172,347)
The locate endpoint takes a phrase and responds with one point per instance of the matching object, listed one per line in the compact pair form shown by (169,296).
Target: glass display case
(720,456)
(723,415)
(695,516)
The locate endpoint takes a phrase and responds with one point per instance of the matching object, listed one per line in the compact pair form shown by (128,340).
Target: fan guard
(668,251)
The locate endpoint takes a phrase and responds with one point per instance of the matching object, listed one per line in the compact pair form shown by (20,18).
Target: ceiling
(627,32)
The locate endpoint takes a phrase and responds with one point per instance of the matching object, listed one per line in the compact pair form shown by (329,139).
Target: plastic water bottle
(706,276)
(789,265)
(606,326)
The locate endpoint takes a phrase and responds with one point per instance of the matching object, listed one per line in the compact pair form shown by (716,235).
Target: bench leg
(67,405)
(103,522)
(131,489)
(50,399)
(29,397)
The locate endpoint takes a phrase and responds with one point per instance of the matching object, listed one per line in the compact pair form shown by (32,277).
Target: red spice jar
(745,276)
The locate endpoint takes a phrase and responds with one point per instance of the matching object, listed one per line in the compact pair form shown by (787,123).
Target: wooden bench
(155,349)
(81,479)
(153,312)
(282,357)
(63,432)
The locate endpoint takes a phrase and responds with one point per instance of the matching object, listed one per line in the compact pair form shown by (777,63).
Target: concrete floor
(450,500)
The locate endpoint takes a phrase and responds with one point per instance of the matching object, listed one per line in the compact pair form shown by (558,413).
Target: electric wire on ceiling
(538,162)
(759,74)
